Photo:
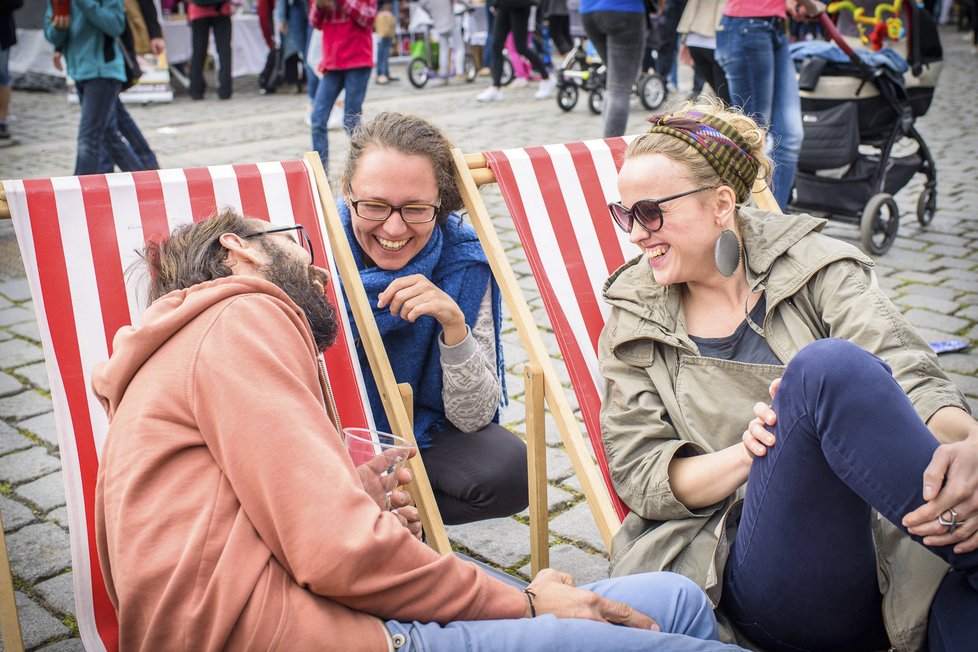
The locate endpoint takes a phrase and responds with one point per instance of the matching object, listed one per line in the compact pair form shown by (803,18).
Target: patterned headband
(718,141)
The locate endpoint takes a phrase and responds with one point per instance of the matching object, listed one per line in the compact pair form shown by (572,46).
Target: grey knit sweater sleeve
(471,389)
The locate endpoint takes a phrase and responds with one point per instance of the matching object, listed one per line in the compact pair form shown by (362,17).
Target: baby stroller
(578,73)
(856,108)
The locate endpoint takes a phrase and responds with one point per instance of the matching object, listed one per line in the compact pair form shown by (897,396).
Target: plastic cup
(377,457)
(61,7)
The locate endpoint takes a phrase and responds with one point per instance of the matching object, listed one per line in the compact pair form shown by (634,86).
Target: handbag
(129,58)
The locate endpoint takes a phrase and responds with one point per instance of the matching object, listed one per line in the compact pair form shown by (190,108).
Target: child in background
(384,26)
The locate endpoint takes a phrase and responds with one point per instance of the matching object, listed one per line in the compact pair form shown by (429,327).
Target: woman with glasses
(845,514)
(438,311)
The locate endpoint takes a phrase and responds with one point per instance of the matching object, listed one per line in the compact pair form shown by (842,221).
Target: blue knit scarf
(454,261)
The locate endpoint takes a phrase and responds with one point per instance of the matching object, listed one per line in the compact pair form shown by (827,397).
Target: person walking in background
(88,35)
(208,16)
(617,30)
(558,22)
(8,37)
(449,30)
(752,49)
(386,28)
(292,17)
(698,27)
(348,58)
(514,16)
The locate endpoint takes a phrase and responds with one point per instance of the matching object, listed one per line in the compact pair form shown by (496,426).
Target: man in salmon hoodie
(229,515)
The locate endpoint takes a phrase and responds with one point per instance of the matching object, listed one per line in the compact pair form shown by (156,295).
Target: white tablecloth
(248,48)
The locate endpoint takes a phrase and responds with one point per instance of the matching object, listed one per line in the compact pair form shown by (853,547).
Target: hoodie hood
(776,263)
(133,346)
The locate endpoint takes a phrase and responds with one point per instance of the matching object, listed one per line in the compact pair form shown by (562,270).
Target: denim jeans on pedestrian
(619,38)
(300,31)
(384,56)
(674,602)
(98,127)
(761,80)
(802,570)
(138,155)
(354,81)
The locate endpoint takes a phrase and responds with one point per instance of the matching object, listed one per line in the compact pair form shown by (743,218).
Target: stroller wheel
(879,223)
(508,73)
(652,91)
(926,206)
(595,100)
(418,72)
(470,69)
(567,97)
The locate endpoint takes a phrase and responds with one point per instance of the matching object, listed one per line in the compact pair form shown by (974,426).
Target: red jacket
(228,514)
(347,34)
(196,11)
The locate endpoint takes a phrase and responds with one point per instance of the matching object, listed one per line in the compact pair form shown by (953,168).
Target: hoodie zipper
(331,410)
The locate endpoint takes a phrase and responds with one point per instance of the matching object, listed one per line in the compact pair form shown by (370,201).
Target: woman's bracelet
(529,599)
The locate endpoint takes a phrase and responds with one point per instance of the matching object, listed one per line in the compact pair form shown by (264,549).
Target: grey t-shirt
(745,345)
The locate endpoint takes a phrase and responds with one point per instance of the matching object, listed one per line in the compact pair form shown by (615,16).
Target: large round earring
(726,252)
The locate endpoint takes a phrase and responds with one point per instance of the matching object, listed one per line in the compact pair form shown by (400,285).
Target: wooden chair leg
(536,459)
(9,622)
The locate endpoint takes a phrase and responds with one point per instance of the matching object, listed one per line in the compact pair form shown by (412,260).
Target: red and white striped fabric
(77,237)
(558,196)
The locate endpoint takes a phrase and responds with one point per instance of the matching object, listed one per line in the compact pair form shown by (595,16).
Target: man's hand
(377,485)
(157,45)
(402,506)
(554,593)
(60,22)
(950,483)
(804,10)
(757,438)
(410,297)
(56,61)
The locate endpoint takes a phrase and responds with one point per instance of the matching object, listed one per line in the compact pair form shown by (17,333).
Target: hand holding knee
(757,438)
(554,593)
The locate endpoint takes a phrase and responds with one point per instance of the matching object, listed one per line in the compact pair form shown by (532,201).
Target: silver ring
(952,523)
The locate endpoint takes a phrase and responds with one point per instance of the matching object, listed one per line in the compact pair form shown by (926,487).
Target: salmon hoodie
(228,514)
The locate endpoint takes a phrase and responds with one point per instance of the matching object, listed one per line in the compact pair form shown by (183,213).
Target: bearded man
(229,515)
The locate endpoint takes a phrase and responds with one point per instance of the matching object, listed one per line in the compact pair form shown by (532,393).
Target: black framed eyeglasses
(377,210)
(647,212)
(305,242)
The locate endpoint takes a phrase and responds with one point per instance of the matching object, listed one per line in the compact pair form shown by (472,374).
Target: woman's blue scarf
(454,261)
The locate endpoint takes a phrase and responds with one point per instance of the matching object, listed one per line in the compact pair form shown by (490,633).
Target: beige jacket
(701,17)
(654,405)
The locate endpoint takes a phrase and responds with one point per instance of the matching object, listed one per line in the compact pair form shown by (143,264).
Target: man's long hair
(192,254)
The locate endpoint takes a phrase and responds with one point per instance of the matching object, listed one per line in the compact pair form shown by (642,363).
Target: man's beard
(296,280)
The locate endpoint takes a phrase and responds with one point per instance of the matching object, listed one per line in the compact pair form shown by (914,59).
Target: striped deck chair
(78,235)
(557,196)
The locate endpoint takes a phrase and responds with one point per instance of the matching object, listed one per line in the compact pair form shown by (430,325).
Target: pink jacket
(228,514)
(347,34)
(196,11)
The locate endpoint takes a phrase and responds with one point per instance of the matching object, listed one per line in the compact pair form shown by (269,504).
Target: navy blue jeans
(98,126)
(802,571)
(138,155)
(761,79)
(354,81)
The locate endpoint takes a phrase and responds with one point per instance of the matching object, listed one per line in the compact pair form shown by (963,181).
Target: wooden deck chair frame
(473,171)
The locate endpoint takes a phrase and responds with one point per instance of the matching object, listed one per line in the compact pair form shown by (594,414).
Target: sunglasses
(647,212)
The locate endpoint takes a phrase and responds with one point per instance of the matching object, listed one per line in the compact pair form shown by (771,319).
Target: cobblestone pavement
(931,274)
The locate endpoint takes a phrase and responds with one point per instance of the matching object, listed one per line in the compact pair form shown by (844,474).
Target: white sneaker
(519,82)
(546,88)
(335,118)
(491,94)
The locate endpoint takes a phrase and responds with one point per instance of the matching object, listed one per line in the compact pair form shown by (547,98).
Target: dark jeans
(200,32)
(355,82)
(619,38)
(706,66)
(98,126)
(512,19)
(477,475)
(560,33)
(802,569)
(138,155)
(384,56)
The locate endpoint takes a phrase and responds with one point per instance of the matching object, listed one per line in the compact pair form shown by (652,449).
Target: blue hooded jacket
(83,43)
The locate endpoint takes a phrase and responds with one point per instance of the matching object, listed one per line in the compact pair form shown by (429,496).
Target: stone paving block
(9,385)
(27,465)
(967,384)
(67,645)
(5,303)
(557,498)
(28,329)
(11,440)
(968,312)
(939,238)
(960,363)
(913,276)
(577,524)
(950,250)
(37,626)
(17,352)
(934,304)
(15,515)
(931,335)
(558,464)
(928,319)
(59,593)
(960,263)
(965,285)
(38,550)
(26,404)
(15,289)
(947,293)
(43,426)
(46,492)
(515,380)
(502,541)
(14,315)
(585,567)
(58,516)
(37,374)
(4,336)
